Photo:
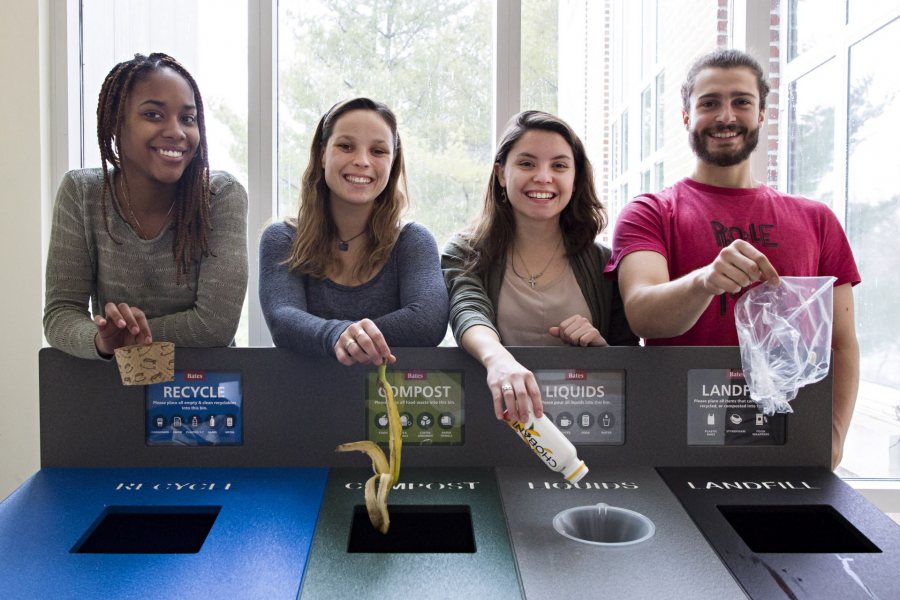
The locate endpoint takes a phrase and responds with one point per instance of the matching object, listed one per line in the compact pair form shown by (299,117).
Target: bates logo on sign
(735,374)
(417,375)
(195,375)
(575,375)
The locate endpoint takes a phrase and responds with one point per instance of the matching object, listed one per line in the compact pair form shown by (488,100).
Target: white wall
(24,171)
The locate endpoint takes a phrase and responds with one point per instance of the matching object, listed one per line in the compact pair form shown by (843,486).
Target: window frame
(749,30)
(838,49)
(262,126)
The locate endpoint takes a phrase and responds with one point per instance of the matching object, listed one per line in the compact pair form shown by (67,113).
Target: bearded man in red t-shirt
(684,256)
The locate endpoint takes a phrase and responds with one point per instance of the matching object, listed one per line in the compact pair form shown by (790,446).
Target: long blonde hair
(313,251)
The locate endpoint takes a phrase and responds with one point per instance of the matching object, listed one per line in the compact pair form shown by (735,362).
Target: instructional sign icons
(198,408)
(588,407)
(430,404)
(721,412)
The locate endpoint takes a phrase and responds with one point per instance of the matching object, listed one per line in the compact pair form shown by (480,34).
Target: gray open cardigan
(473,297)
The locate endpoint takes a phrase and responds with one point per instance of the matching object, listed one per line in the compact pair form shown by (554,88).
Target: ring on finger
(347,345)
(506,387)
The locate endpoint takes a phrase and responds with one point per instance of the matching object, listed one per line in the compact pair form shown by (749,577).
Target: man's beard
(724,158)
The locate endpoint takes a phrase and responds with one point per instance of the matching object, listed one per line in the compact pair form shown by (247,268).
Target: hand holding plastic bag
(785,338)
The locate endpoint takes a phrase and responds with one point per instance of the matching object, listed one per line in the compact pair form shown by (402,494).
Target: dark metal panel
(845,575)
(297,410)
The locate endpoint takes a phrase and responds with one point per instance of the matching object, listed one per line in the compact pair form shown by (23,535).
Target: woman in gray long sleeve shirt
(345,278)
(156,243)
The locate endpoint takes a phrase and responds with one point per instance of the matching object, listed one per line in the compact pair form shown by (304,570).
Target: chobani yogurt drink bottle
(552,447)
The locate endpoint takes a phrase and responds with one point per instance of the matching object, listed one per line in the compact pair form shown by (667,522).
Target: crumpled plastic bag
(785,338)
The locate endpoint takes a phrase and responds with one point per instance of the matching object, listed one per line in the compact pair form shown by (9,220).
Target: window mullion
(262,145)
(841,115)
(507,63)
(66,144)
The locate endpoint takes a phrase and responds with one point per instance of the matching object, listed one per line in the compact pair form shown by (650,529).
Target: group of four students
(154,243)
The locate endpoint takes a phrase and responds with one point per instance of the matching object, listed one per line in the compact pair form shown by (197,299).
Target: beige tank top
(525,315)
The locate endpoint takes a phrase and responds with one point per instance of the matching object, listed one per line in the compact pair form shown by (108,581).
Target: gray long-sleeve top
(85,263)
(407,299)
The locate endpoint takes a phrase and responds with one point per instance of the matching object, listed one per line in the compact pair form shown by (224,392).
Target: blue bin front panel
(257,546)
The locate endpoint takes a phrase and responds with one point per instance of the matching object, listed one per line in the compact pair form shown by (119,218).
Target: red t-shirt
(690,222)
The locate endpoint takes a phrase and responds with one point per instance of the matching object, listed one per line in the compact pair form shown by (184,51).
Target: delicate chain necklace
(137,223)
(344,245)
(533,277)
(140,228)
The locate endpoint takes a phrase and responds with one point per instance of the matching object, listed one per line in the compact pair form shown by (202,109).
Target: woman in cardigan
(528,272)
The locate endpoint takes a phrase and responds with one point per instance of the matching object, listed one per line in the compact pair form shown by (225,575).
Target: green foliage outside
(431,63)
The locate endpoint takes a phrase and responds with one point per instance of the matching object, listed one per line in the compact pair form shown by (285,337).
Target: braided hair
(192,199)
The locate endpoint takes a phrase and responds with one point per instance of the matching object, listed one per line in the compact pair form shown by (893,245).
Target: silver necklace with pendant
(532,278)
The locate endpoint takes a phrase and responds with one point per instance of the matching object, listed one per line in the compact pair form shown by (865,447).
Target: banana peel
(387,470)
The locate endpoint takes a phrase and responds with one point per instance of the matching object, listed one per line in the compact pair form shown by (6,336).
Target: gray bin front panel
(675,563)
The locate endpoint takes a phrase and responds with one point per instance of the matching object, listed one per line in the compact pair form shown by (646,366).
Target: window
(646,123)
(810,23)
(615,149)
(842,131)
(646,185)
(406,55)
(660,125)
(833,130)
(636,68)
(811,137)
(649,35)
(873,215)
(540,68)
(209,38)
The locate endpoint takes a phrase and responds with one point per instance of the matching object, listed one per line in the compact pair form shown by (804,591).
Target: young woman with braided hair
(153,239)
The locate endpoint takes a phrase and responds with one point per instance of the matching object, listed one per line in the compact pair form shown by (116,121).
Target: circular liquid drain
(604,525)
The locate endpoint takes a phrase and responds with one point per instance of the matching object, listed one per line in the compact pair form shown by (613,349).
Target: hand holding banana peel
(387,472)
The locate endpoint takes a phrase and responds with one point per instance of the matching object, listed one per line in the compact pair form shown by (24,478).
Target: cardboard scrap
(144,364)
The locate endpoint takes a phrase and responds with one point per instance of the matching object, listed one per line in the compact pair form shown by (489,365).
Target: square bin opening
(148,530)
(415,529)
(796,529)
